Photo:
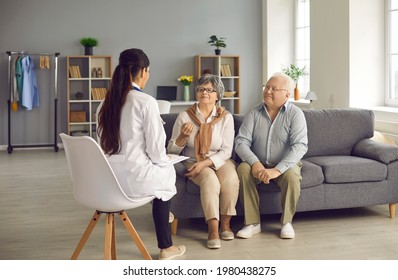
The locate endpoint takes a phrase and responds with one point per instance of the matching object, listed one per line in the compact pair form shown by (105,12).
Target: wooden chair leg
(109,224)
(392,210)
(134,235)
(93,222)
(174,226)
(113,251)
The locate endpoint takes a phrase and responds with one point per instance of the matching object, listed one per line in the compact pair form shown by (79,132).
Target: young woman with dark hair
(131,133)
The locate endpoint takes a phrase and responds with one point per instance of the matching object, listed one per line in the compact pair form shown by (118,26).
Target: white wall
(347,53)
(367,46)
(330,53)
(171,32)
(278,26)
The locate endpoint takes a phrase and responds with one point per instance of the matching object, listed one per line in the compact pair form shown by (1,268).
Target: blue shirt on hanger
(30,92)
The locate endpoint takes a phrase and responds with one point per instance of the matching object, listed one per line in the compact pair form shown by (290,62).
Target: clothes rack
(55,55)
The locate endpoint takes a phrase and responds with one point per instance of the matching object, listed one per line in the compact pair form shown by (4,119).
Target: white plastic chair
(164,106)
(96,187)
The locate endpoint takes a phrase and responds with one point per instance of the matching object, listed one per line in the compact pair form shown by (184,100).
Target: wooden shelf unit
(82,107)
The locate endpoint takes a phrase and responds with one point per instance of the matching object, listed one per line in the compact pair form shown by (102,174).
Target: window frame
(304,82)
(391,98)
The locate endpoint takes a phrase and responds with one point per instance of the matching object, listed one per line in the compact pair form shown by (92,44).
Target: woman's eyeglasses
(203,89)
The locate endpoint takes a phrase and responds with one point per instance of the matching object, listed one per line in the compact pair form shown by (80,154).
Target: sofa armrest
(370,149)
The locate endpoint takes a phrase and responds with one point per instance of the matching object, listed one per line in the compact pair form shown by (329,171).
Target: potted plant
(218,43)
(295,72)
(88,43)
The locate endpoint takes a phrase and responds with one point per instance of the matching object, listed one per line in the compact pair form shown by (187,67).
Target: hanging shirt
(19,78)
(141,165)
(30,92)
(14,90)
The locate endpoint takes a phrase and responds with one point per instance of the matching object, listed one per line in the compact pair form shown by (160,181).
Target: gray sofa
(343,168)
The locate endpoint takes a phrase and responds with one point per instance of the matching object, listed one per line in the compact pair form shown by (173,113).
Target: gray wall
(171,32)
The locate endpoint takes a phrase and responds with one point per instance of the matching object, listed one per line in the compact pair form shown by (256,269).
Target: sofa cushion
(190,186)
(350,169)
(238,119)
(336,131)
(368,148)
(169,120)
(312,175)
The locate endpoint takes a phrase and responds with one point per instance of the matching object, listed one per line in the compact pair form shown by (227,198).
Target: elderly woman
(205,133)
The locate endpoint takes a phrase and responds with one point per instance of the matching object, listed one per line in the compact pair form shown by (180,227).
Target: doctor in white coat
(132,135)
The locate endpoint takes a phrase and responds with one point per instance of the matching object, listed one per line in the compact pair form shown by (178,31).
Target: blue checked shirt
(280,144)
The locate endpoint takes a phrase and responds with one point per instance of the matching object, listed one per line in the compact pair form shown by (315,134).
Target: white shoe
(249,230)
(287,231)
(169,255)
(171,217)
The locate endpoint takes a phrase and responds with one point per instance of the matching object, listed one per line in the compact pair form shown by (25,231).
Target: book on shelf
(74,71)
(98,93)
(228,70)
(225,70)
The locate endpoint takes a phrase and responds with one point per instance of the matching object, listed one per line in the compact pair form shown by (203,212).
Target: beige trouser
(219,190)
(289,183)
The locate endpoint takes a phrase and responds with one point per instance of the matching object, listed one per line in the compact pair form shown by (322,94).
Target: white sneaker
(287,231)
(249,230)
(171,217)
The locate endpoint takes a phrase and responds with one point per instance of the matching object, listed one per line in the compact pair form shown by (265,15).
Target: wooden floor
(40,220)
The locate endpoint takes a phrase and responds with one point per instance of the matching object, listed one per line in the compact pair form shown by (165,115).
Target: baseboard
(5,147)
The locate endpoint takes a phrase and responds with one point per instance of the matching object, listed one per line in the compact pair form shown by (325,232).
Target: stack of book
(225,70)
(98,93)
(74,71)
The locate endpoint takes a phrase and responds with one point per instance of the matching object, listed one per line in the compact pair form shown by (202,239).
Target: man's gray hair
(215,81)
(289,82)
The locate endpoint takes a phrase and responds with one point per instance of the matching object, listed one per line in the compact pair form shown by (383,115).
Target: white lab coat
(141,166)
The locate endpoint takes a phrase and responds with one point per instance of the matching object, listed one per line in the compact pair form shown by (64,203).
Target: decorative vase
(296,93)
(217,51)
(186,93)
(88,50)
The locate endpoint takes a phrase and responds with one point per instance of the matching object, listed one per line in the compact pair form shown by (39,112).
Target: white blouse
(141,166)
(223,134)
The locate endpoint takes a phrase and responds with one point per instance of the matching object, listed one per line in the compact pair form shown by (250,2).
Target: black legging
(160,214)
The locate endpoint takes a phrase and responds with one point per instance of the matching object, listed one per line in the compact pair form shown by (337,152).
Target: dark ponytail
(131,61)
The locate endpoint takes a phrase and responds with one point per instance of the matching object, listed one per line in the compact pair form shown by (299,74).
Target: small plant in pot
(218,43)
(88,43)
(295,72)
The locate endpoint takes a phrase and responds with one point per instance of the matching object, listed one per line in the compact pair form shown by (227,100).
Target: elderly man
(271,142)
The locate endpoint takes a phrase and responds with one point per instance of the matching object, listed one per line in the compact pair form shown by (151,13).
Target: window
(302,42)
(392,52)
